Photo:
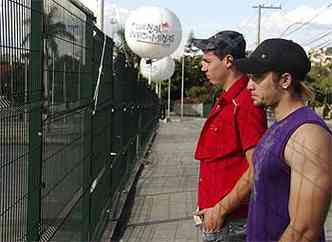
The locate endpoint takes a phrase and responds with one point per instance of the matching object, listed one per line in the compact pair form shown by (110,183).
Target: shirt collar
(234,90)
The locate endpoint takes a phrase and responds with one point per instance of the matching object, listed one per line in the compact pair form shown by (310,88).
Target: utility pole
(260,7)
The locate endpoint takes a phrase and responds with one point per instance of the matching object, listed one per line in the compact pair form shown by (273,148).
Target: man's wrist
(222,209)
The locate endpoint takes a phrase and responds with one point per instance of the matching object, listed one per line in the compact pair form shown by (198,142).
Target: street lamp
(169,100)
(182,86)
(186,51)
(100,20)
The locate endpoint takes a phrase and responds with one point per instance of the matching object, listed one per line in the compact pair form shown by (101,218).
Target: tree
(320,79)
(189,48)
(133,60)
(51,30)
(329,50)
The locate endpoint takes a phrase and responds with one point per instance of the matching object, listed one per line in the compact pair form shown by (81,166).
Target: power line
(246,23)
(322,35)
(285,2)
(291,25)
(323,44)
(288,27)
(328,43)
(310,20)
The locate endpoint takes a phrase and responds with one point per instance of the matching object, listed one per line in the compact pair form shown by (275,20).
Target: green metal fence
(63,159)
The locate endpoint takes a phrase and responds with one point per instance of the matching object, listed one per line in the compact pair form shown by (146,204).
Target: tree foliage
(320,79)
(133,60)
(51,29)
(193,76)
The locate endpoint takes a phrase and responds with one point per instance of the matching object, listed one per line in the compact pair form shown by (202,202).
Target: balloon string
(95,97)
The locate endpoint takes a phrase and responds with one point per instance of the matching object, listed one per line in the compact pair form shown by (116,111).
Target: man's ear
(285,80)
(229,60)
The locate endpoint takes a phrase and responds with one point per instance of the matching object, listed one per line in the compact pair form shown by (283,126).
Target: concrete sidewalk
(166,191)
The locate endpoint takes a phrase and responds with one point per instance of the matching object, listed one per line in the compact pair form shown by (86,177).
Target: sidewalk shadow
(121,226)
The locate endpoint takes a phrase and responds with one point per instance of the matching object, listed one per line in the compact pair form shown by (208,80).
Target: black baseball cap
(224,42)
(278,55)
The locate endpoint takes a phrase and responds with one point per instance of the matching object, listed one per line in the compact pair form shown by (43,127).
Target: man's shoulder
(309,136)
(309,142)
(310,132)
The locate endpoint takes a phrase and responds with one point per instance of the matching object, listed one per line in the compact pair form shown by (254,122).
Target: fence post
(86,90)
(139,121)
(35,130)
(119,69)
(118,122)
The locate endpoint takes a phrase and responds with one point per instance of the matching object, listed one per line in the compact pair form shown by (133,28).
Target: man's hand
(213,218)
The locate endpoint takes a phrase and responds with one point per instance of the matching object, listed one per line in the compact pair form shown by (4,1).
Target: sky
(307,22)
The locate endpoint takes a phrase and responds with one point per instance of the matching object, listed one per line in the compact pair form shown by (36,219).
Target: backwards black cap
(224,42)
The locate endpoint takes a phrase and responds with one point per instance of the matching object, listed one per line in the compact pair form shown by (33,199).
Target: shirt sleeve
(252,124)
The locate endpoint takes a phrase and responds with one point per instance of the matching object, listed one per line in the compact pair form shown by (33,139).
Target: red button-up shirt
(233,126)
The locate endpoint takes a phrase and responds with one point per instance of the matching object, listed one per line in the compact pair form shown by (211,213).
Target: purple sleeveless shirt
(268,210)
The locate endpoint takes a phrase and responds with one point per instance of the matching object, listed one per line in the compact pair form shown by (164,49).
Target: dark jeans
(234,231)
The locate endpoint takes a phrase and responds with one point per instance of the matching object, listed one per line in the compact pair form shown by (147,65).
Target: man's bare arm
(241,189)
(214,216)
(309,155)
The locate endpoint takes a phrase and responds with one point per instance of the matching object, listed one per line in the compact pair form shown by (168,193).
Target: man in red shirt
(227,140)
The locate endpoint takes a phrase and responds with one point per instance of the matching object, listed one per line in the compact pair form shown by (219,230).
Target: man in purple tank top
(292,178)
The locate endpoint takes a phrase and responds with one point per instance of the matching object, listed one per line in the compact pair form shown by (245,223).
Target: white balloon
(153,32)
(160,70)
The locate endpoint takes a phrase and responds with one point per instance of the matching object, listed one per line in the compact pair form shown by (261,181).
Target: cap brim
(251,66)
(202,44)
